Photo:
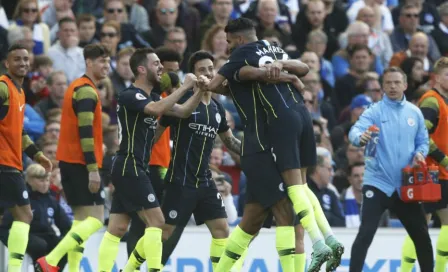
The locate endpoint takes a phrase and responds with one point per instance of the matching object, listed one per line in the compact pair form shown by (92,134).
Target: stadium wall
(192,253)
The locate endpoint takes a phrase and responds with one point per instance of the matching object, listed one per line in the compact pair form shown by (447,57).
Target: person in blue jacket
(47,214)
(402,140)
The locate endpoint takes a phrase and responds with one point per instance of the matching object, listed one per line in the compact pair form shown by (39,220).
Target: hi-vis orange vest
(440,135)
(161,152)
(11,127)
(69,146)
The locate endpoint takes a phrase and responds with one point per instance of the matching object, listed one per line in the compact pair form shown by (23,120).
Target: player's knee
(118,229)
(283,213)
(155,220)
(220,230)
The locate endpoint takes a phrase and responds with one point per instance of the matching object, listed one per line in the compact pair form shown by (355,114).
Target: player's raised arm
(229,140)
(168,104)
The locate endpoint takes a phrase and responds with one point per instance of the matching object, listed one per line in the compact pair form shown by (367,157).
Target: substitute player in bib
(289,128)
(13,193)
(138,109)
(80,155)
(189,188)
(434,106)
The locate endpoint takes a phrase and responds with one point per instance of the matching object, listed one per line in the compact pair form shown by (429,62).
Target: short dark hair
(138,58)
(167,54)
(94,51)
(198,56)
(16,46)
(394,69)
(240,24)
(66,20)
(358,47)
(353,166)
(406,7)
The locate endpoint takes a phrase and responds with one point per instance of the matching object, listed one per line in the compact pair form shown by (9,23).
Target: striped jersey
(135,131)
(193,143)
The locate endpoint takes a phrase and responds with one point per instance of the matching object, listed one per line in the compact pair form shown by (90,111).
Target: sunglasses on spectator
(100,86)
(111,10)
(308,101)
(411,15)
(29,10)
(110,35)
(375,90)
(165,11)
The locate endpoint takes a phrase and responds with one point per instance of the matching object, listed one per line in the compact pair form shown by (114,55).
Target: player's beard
(151,79)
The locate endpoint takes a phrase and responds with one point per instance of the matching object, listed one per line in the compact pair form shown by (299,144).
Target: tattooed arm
(232,143)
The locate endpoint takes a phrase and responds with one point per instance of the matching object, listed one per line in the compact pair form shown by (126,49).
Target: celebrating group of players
(277,147)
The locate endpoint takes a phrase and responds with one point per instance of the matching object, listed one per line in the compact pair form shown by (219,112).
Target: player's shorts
(264,182)
(75,182)
(291,136)
(12,188)
(442,204)
(132,193)
(180,202)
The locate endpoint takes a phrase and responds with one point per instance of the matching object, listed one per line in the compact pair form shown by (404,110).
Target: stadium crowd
(347,46)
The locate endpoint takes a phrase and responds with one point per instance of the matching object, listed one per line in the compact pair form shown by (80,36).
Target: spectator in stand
(52,130)
(357,106)
(379,40)
(47,214)
(382,16)
(351,198)
(110,36)
(57,10)
(317,43)
(215,40)
(166,14)
(408,26)
(122,76)
(428,16)
(86,24)
(24,36)
(27,14)
(319,107)
(361,58)
(66,50)
(312,60)
(61,9)
(252,10)
(38,89)
(345,156)
(94,7)
(49,148)
(419,48)
(58,192)
(319,177)
(315,19)
(416,76)
(114,10)
(108,101)
(189,19)
(225,189)
(176,39)
(368,85)
(321,133)
(267,13)
(137,15)
(357,34)
(440,33)
(54,115)
(3,43)
(57,84)
(219,15)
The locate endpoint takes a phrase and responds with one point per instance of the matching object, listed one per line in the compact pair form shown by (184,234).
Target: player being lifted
(189,188)
(80,155)
(13,192)
(289,130)
(138,109)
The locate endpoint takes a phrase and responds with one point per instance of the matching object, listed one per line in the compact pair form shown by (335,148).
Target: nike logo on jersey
(21,107)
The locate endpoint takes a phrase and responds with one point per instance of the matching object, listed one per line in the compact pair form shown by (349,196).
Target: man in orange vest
(161,152)
(434,106)
(80,155)
(13,192)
